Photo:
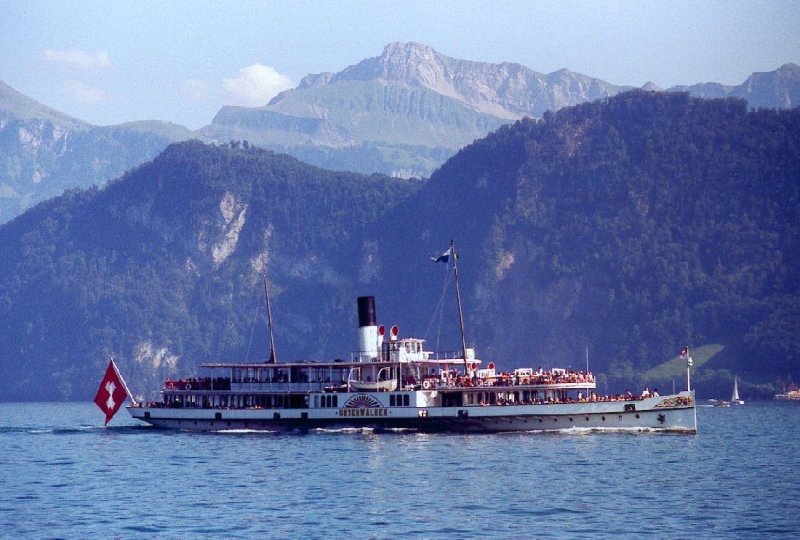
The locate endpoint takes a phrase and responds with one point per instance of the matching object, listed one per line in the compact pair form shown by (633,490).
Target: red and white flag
(112,392)
(685,352)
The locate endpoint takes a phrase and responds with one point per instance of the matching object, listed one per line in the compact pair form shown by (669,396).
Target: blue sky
(110,61)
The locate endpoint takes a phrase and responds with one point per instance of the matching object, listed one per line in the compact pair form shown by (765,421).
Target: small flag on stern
(444,257)
(112,392)
(685,352)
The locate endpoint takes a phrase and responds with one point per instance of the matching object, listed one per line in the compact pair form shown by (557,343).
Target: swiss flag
(111,394)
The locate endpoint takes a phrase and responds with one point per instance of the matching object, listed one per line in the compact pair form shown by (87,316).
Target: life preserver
(491,365)
(170,384)
(188,386)
(426,384)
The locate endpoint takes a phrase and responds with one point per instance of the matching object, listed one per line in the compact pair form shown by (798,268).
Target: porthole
(620,417)
(570,419)
(637,415)
(587,418)
(555,419)
(540,420)
(604,419)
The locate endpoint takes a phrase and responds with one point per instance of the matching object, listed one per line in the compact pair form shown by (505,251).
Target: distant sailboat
(735,399)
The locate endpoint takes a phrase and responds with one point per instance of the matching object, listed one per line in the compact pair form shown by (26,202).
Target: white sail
(735,399)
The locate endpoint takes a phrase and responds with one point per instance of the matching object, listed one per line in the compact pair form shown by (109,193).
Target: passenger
(646,393)
(655,392)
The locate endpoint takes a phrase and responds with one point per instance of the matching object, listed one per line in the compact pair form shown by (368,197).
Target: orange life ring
(426,384)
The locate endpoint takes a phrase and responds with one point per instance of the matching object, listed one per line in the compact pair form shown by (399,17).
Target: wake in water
(244,431)
(29,430)
(593,430)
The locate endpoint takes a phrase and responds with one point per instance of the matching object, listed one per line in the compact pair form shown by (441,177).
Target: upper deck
(402,364)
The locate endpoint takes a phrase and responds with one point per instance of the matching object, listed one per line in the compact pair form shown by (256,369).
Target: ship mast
(272,356)
(460,310)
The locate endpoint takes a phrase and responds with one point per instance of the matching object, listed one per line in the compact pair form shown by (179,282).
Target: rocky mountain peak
(412,62)
(409,63)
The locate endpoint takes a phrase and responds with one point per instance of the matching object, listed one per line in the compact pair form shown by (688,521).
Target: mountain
(163,267)
(779,89)
(405,112)
(43,152)
(632,226)
(408,109)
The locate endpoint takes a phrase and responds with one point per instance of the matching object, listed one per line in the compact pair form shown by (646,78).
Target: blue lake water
(62,475)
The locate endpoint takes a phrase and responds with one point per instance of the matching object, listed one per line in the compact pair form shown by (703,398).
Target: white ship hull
(667,413)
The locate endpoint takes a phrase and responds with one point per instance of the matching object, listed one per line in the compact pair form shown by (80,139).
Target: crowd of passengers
(199,383)
(593,397)
(514,379)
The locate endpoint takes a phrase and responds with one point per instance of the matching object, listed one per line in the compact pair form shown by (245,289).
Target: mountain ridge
(402,113)
(44,152)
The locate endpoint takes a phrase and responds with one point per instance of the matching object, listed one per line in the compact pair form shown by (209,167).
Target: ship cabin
(409,375)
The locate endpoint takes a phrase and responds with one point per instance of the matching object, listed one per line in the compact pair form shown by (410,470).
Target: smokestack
(367,329)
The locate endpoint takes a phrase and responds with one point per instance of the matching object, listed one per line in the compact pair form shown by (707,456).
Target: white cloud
(256,85)
(83,93)
(77,59)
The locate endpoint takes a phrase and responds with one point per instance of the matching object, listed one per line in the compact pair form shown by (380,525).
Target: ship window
(316,402)
(335,401)
(392,401)
(406,400)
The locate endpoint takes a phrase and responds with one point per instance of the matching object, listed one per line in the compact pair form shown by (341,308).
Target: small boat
(792,393)
(735,399)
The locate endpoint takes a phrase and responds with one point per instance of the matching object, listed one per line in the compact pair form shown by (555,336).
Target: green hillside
(631,226)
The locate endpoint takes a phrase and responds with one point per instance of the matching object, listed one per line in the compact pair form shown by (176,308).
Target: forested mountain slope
(164,268)
(632,226)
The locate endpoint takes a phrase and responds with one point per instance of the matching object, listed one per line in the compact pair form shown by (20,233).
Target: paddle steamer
(394,383)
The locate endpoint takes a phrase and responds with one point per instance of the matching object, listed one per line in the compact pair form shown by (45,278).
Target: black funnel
(366,311)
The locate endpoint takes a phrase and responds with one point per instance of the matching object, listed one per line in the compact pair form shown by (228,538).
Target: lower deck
(392,411)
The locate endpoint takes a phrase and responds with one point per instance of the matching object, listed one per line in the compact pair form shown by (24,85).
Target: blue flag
(444,257)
